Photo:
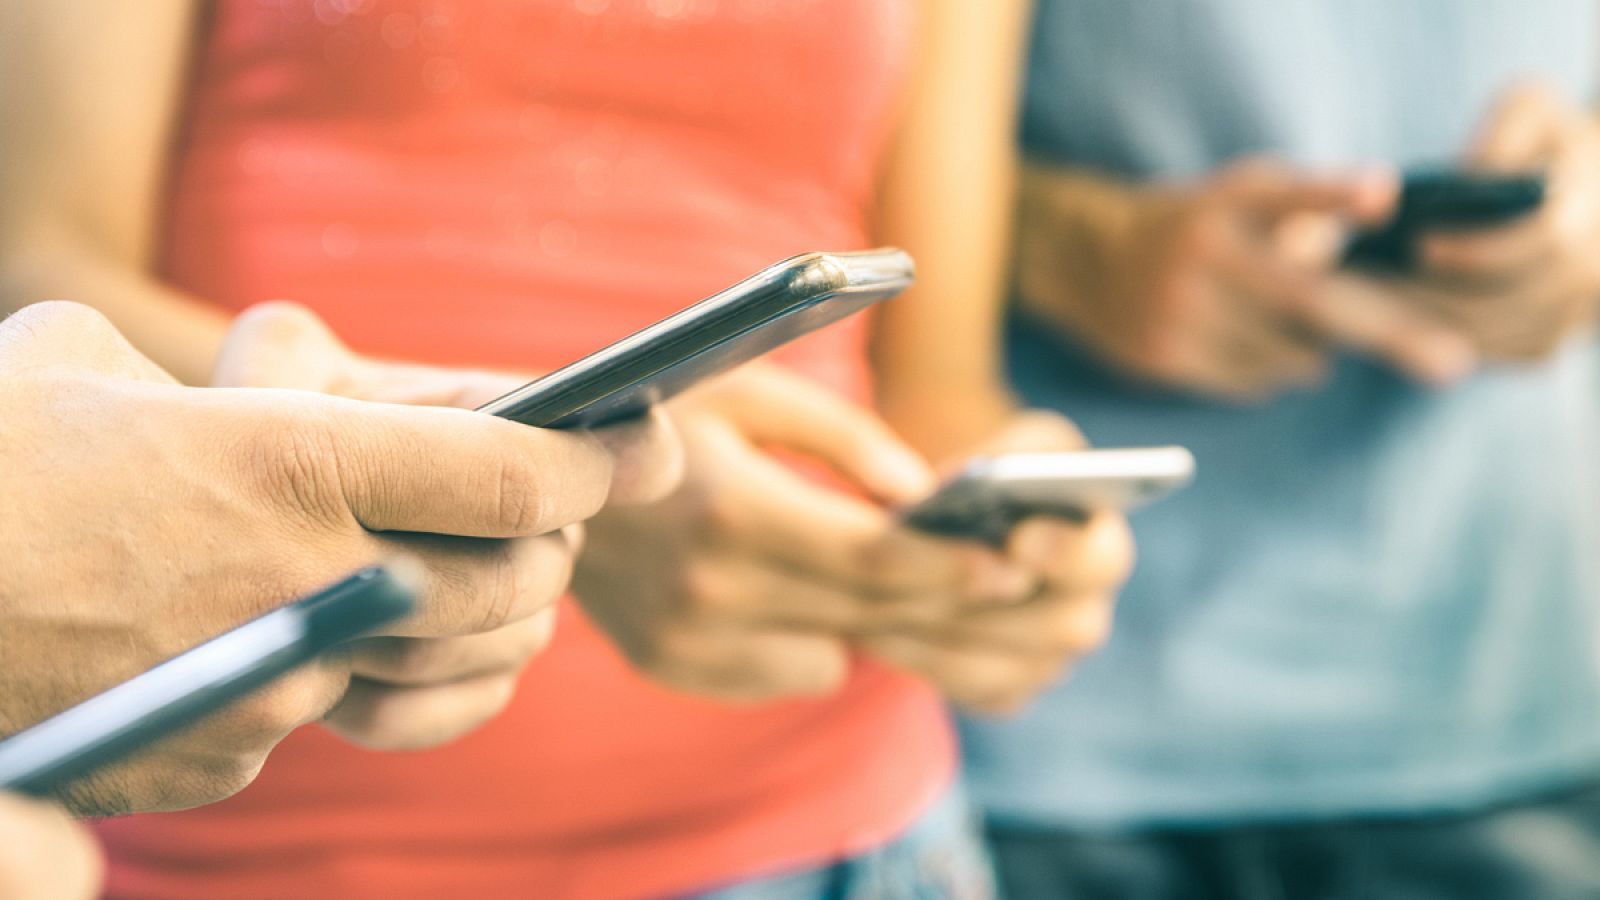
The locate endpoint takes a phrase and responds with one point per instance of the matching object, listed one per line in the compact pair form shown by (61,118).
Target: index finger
(1271,190)
(827,534)
(438,471)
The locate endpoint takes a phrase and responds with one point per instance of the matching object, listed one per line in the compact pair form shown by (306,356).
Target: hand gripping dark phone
(992,494)
(759,314)
(1443,201)
(110,726)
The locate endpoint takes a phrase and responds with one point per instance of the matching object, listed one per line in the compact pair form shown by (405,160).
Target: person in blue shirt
(1359,656)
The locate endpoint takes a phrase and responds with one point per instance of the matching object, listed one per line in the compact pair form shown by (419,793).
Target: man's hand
(1520,290)
(1222,287)
(409,691)
(44,855)
(144,517)
(751,582)
(995,657)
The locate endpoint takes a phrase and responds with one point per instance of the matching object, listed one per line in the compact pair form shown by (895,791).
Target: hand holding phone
(1444,201)
(124,719)
(992,494)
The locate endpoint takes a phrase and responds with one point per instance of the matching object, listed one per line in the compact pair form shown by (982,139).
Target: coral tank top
(512,183)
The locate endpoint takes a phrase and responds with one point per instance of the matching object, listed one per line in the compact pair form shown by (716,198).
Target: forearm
(1070,223)
(947,197)
(90,98)
(181,333)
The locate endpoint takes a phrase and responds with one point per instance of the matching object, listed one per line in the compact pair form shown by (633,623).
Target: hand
(749,583)
(1220,288)
(144,517)
(993,658)
(409,691)
(44,855)
(1520,290)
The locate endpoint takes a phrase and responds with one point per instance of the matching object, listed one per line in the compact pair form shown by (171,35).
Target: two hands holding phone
(243,500)
(1232,286)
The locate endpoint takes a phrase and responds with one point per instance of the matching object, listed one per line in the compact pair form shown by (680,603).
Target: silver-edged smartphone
(990,495)
(761,313)
(147,707)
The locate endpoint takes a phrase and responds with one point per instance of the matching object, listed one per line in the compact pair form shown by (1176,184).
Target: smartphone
(765,311)
(1443,201)
(110,726)
(990,495)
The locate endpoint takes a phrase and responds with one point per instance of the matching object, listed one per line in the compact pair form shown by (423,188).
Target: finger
(1256,348)
(414,385)
(1268,190)
(1059,626)
(417,662)
(60,334)
(1371,318)
(1520,131)
(447,471)
(648,458)
(481,586)
(979,679)
(283,345)
(743,665)
(380,717)
(1497,256)
(783,410)
(1036,431)
(1525,324)
(736,588)
(822,533)
(44,854)
(1075,558)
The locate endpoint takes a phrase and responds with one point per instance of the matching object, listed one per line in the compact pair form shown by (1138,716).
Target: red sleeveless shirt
(512,183)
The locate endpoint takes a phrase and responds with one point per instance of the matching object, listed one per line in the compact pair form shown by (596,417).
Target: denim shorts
(940,857)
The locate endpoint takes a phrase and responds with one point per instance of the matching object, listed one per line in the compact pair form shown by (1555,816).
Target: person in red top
(507,184)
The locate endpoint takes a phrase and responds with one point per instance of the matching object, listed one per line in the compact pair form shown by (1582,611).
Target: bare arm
(89,94)
(947,197)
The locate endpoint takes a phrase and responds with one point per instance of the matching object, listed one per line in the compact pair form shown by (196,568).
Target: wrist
(1072,227)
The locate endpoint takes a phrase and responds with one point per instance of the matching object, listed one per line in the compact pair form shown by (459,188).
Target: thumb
(1520,132)
(283,345)
(43,853)
(774,408)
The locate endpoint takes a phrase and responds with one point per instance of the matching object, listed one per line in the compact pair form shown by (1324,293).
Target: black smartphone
(112,725)
(1443,201)
(763,312)
(991,494)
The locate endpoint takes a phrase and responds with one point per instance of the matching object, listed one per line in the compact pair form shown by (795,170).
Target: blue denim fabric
(941,857)
(1543,850)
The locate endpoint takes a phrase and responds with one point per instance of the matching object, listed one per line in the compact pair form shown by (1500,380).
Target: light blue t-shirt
(1376,598)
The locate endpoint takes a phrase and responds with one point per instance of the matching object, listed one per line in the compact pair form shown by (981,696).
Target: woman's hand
(406,691)
(751,582)
(994,657)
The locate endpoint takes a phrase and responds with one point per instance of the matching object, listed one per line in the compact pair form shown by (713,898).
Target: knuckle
(710,592)
(500,593)
(414,658)
(521,506)
(293,462)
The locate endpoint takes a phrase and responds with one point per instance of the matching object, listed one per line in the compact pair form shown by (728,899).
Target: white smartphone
(991,494)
